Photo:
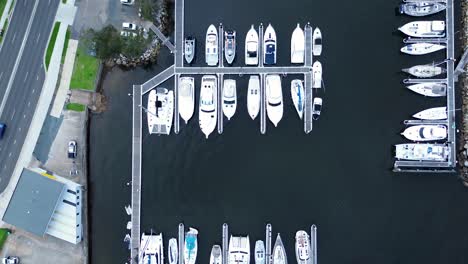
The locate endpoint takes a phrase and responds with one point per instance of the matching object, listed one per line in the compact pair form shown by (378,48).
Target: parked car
(2,129)
(129,26)
(128,34)
(72,149)
(127,2)
(10,260)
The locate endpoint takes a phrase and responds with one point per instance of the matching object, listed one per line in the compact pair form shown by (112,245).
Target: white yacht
(316,108)
(189,49)
(436,113)
(298,95)
(422,152)
(229,98)
(259,252)
(173,251)
(239,250)
(186,98)
(151,249)
(208,108)
(297,45)
(424,29)
(421,48)
(431,89)
(253,96)
(230,45)
(317,42)
(425,132)
(425,71)
(269,46)
(302,247)
(191,246)
(216,256)
(251,47)
(274,98)
(317,75)
(211,46)
(279,253)
(160,111)
(421,8)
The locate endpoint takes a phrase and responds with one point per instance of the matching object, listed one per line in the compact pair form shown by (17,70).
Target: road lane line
(1,75)
(14,37)
(33,90)
(37,39)
(26,76)
(14,111)
(18,59)
(37,77)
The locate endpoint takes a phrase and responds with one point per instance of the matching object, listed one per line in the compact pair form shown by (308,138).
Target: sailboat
(279,253)
(297,94)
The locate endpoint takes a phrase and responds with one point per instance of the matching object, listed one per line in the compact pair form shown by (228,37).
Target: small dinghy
(425,71)
(297,94)
(420,9)
(297,45)
(317,75)
(230,45)
(259,252)
(424,29)
(191,246)
(425,132)
(316,108)
(216,257)
(189,49)
(173,252)
(436,113)
(279,253)
(421,48)
(229,98)
(317,42)
(302,247)
(253,96)
(431,89)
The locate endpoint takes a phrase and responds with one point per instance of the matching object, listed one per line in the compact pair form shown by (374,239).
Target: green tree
(108,42)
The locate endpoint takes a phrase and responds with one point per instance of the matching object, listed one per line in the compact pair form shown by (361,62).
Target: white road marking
(26,76)
(37,39)
(1,75)
(33,90)
(37,77)
(29,103)
(9,154)
(24,116)
(19,129)
(14,142)
(14,111)
(13,39)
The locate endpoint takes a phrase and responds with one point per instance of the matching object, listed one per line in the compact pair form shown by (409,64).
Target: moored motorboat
(216,256)
(208,104)
(422,152)
(431,89)
(151,249)
(421,48)
(424,29)
(435,113)
(230,45)
(269,46)
(191,246)
(425,71)
(253,96)
(160,115)
(302,247)
(425,132)
(189,49)
(279,253)
(251,47)
(211,46)
(259,252)
(186,98)
(297,45)
(239,250)
(317,75)
(422,8)
(229,98)
(274,98)
(316,108)
(173,252)
(297,94)
(317,42)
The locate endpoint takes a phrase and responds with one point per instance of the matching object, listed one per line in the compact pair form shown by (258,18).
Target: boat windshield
(318,41)
(317,108)
(270,48)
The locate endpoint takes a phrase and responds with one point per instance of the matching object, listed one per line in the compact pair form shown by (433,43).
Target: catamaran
(269,46)
(259,252)
(151,249)
(425,132)
(229,98)
(279,253)
(436,113)
(173,251)
(317,42)
(431,89)
(251,47)
(186,98)
(191,246)
(302,247)
(297,45)
(421,8)
(421,48)
(425,71)
(317,75)
(230,45)
(216,256)
(424,29)
(208,104)
(239,250)
(297,94)
(253,96)
(274,98)
(160,111)
(189,49)
(211,46)
(422,152)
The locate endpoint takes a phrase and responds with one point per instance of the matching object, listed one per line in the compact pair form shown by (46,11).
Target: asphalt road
(27,85)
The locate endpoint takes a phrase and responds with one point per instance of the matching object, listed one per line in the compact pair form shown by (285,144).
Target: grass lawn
(2,6)
(76,107)
(84,71)
(4,28)
(50,48)
(65,45)
(3,236)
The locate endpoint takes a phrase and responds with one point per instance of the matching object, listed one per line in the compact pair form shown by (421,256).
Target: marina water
(338,177)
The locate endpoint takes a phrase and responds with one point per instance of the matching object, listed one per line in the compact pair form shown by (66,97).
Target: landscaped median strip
(76,107)
(50,47)
(84,71)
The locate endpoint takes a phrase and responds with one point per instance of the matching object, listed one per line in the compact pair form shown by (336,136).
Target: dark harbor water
(338,177)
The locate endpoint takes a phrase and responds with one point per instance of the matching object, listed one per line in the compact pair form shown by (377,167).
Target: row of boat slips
(160,108)
(428,138)
(236,251)
(252,46)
